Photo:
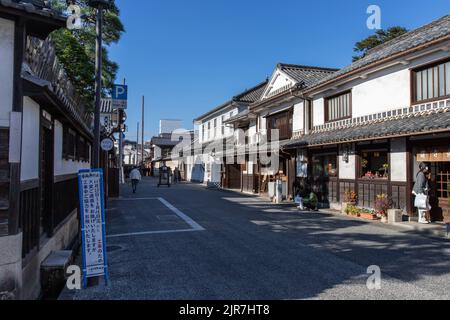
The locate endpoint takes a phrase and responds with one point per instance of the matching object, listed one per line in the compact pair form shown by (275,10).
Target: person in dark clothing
(176,175)
(421,188)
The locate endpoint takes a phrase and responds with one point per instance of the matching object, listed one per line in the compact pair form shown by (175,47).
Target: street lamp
(100,5)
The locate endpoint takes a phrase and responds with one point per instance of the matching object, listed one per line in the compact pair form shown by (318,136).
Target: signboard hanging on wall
(93,231)
(433,155)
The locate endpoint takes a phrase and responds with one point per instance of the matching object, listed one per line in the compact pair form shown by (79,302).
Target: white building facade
(374,121)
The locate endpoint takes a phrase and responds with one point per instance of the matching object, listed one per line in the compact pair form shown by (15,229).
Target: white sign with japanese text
(93,223)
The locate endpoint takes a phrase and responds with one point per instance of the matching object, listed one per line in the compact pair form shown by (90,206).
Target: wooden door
(234,176)
(440,191)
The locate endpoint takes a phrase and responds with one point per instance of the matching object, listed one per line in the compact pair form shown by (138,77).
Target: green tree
(76,48)
(380,37)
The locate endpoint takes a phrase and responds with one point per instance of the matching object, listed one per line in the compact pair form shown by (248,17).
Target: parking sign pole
(98,89)
(121,175)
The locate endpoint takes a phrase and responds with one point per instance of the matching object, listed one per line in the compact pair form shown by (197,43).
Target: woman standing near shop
(420,190)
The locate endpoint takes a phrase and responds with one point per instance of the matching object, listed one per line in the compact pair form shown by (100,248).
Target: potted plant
(352,210)
(368,214)
(382,205)
(386,170)
(350,199)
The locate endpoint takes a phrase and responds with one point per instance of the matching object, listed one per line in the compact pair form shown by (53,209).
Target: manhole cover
(113,248)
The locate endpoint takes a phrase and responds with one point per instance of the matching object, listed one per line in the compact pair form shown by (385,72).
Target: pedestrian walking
(420,190)
(164,175)
(176,175)
(135,176)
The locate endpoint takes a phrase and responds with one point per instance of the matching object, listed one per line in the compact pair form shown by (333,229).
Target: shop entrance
(440,191)
(436,154)
(234,178)
(324,178)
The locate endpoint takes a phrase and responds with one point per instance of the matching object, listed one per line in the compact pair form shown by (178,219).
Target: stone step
(53,272)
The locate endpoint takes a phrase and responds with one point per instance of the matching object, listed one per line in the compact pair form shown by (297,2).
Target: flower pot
(384,219)
(368,216)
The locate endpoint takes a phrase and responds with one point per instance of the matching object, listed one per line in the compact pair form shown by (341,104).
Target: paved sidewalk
(433,230)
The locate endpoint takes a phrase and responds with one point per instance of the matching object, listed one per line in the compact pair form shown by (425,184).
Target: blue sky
(187,57)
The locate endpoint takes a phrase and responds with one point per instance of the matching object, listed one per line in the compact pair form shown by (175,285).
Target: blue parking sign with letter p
(120,92)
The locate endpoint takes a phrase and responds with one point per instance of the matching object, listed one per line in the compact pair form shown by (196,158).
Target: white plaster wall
(62,166)
(384,92)
(347,170)
(279,79)
(217,116)
(398,160)
(318,112)
(381,91)
(200,133)
(30,140)
(6,69)
(252,132)
(299,114)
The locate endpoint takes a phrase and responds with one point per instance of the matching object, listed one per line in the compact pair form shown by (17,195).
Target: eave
(40,23)
(41,92)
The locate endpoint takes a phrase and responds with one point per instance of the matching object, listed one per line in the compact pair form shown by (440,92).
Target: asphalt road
(196,243)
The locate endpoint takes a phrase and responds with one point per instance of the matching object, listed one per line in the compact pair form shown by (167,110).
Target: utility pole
(95,163)
(137,145)
(121,112)
(98,82)
(143,128)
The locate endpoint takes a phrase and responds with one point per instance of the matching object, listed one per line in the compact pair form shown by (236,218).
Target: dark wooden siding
(333,190)
(283,123)
(29,219)
(399,196)
(65,199)
(4,181)
(233,176)
(344,186)
(368,191)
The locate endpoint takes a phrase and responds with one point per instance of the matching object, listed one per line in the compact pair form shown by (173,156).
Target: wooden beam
(20,35)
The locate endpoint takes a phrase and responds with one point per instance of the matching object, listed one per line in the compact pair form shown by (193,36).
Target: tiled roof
(64,103)
(248,96)
(41,4)
(419,123)
(165,139)
(39,7)
(253,94)
(437,29)
(306,74)
(164,142)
